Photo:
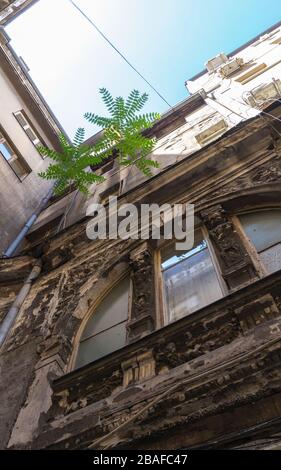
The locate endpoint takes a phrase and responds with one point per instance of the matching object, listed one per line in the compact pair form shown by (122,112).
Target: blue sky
(167,40)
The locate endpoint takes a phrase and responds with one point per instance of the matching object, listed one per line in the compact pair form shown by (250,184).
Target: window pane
(6,150)
(112,310)
(31,135)
(263,228)
(21,119)
(190,279)
(102,344)
(170,256)
(271,258)
(106,331)
(18,167)
(191,283)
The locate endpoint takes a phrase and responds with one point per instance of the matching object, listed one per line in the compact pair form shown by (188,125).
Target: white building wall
(224,99)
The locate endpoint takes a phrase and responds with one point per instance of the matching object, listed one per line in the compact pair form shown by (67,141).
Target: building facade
(25,123)
(9,9)
(131,344)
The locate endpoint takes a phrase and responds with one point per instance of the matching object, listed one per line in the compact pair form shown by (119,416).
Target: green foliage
(122,130)
(71,164)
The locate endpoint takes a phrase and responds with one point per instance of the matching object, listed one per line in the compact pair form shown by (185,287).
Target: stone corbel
(138,368)
(142,321)
(235,263)
(54,348)
(257,312)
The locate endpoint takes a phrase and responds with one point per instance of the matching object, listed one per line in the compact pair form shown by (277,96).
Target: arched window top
(264,230)
(105,331)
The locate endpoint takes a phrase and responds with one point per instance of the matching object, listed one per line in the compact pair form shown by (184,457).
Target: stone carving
(54,344)
(143,304)
(224,388)
(235,263)
(257,312)
(138,368)
(202,336)
(269,172)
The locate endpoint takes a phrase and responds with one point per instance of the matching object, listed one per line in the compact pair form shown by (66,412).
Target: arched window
(190,278)
(264,230)
(105,331)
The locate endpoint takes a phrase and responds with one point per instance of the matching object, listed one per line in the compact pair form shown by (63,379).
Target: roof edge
(240,48)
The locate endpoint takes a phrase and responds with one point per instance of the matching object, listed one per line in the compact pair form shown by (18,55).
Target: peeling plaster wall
(210,379)
(17,371)
(202,370)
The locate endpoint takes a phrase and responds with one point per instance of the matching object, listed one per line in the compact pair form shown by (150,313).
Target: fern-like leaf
(122,131)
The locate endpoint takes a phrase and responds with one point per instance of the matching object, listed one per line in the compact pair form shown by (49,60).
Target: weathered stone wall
(201,374)
(17,372)
(49,321)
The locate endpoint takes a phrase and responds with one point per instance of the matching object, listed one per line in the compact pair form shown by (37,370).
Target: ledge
(165,335)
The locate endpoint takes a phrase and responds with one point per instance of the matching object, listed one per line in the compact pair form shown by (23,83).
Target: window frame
(19,156)
(162,314)
(33,129)
(91,311)
(254,253)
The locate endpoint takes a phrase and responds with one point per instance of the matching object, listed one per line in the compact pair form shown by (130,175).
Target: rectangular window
(24,122)
(190,279)
(16,162)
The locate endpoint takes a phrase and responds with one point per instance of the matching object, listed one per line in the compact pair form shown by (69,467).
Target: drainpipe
(14,245)
(15,308)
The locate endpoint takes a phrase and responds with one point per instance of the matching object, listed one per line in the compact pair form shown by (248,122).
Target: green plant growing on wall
(122,131)
(71,164)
